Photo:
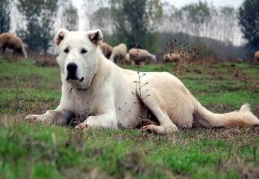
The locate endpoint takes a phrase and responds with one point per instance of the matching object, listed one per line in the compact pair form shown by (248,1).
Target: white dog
(111,97)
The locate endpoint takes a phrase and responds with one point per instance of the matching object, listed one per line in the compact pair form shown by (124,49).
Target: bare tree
(39,20)
(69,16)
(198,16)
(102,19)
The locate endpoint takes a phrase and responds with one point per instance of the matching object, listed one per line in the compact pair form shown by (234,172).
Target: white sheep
(141,56)
(119,53)
(106,49)
(171,57)
(256,57)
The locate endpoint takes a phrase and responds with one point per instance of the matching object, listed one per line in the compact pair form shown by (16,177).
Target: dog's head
(77,56)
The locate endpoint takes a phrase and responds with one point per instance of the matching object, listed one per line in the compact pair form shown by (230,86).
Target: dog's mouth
(74,78)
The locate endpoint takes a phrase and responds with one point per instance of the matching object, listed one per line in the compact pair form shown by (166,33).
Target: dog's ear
(60,35)
(95,36)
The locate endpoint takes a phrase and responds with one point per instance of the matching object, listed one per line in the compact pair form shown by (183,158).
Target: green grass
(41,151)
(22,84)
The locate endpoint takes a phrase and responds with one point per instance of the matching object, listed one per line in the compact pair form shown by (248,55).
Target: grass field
(40,151)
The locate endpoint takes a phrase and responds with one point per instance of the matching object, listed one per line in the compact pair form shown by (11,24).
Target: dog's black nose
(71,67)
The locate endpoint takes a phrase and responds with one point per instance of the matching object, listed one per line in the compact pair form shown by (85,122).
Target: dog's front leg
(60,117)
(106,120)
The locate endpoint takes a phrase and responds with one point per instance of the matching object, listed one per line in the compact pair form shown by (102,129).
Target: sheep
(171,57)
(107,49)
(119,53)
(141,56)
(12,42)
(256,57)
(127,59)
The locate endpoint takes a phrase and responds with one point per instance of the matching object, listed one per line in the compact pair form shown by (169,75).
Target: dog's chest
(82,103)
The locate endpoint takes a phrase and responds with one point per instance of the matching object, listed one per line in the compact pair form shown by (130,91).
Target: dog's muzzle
(71,75)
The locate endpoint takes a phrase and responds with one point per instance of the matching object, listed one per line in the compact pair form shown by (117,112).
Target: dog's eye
(83,51)
(66,50)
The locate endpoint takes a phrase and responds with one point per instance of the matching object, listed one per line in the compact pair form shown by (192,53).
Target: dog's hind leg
(155,105)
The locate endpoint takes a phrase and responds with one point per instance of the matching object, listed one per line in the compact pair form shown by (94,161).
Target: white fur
(109,96)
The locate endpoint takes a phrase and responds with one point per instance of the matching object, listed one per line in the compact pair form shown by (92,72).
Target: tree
(5,19)
(198,14)
(69,17)
(248,16)
(48,13)
(102,19)
(39,17)
(135,20)
(93,9)
(130,21)
(31,33)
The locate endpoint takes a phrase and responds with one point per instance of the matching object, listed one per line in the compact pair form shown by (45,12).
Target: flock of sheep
(135,56)
(118,54)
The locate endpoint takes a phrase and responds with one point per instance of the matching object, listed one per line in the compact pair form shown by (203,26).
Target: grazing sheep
(256,58)
(10,41)
(127,59)
(141,56)
(171,57)
(119,53)
(107,49)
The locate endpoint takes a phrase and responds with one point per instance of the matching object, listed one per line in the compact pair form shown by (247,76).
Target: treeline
(148,24)
(216,31)
(35,21)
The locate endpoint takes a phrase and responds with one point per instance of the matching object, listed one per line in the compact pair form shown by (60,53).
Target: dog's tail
(242,118)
